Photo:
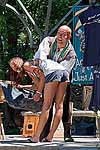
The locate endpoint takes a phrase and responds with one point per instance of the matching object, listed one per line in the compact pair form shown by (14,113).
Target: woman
(24,96)
(55,78)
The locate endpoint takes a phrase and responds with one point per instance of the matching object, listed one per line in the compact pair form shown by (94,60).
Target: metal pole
(61,21)
(31,19)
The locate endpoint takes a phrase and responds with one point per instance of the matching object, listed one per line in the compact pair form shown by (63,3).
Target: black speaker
(3,2)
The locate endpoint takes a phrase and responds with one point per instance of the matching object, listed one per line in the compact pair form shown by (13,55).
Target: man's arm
(69,64)
(70,60)
(43,50)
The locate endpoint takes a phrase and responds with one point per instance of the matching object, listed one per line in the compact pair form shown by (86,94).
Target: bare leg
(49,93)
(59,109)
(46,129)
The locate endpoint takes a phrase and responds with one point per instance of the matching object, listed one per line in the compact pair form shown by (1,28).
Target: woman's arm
(41,79)
(20,86)
(34,71)
(41,82)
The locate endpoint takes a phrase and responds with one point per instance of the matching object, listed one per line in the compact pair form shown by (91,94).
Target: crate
(30,123)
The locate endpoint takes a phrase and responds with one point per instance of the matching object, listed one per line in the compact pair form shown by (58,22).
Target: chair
(88,113)
(2,100)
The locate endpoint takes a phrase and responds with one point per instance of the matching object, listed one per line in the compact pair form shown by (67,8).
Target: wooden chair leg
(98,127)
(70,111)
(2,133)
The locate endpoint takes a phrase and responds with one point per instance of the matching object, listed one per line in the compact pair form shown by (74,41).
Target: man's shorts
(58,75)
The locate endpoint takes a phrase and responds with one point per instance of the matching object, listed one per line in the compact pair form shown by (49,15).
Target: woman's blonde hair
(16,63)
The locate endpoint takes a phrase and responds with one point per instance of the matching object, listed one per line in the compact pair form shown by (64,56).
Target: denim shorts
(58,75)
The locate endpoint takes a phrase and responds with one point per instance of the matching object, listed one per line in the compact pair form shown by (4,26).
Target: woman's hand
(37,96)
(19,86)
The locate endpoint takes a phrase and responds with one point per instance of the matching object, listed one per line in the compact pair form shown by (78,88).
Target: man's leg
(66,118)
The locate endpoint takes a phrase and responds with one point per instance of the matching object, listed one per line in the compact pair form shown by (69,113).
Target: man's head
(63,35)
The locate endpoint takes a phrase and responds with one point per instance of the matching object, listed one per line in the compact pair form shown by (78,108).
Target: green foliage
(14,39)
(22,38)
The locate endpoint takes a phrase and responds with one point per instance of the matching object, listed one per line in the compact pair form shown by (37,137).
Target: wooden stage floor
(17,142)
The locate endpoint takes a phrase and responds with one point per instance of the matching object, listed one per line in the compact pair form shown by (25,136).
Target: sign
(80,74)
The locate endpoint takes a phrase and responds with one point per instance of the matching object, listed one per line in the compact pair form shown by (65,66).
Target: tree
(46,15)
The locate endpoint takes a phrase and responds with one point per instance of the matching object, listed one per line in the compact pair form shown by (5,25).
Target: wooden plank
(80,113)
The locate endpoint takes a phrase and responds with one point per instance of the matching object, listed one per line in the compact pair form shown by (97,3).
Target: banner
(80,74)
